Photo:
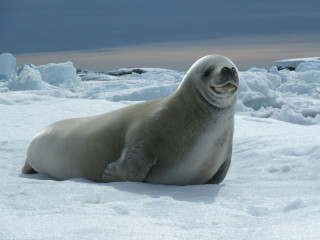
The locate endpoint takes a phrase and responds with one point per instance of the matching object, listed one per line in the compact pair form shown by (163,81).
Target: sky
(110,34)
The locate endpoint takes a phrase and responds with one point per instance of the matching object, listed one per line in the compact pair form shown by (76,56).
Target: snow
(271,190)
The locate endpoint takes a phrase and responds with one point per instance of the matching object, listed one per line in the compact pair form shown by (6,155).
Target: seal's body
(183,139)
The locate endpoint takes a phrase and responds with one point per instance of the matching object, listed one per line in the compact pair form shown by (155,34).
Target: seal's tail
(27,169)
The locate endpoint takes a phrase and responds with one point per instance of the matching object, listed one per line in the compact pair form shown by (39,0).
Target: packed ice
(7,66)
(292,64)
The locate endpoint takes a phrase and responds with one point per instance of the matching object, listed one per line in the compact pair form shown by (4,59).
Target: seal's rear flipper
(221,173)
(27,169)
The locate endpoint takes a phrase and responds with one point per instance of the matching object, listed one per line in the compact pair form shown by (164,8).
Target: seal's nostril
(228,71)
(225,70)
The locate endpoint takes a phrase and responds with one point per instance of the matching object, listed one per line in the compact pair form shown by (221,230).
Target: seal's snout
(228,77)
(228,73)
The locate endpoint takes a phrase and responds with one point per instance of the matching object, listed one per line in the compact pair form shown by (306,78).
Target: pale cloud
(246,52)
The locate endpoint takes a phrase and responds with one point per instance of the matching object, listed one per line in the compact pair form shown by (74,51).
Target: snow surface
(272,190)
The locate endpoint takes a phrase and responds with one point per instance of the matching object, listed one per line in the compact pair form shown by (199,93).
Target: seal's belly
(196,166)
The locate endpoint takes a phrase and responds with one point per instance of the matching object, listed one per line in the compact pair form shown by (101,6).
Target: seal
(183,139)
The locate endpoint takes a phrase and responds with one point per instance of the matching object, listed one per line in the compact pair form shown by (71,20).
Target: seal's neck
(197,94)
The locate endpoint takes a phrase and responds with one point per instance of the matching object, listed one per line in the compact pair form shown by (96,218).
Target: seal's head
(216,78)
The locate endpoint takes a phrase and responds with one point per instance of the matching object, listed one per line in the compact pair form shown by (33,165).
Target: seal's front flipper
(133,165)
(221,173)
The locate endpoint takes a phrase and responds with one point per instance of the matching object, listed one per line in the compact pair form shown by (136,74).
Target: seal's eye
(207,72)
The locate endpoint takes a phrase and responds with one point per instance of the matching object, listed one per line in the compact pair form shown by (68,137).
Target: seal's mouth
(228,88)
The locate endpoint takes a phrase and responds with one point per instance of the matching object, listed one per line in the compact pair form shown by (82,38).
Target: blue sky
(53,30)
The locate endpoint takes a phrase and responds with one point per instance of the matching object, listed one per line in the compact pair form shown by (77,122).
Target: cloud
(74,25)
(246,51)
